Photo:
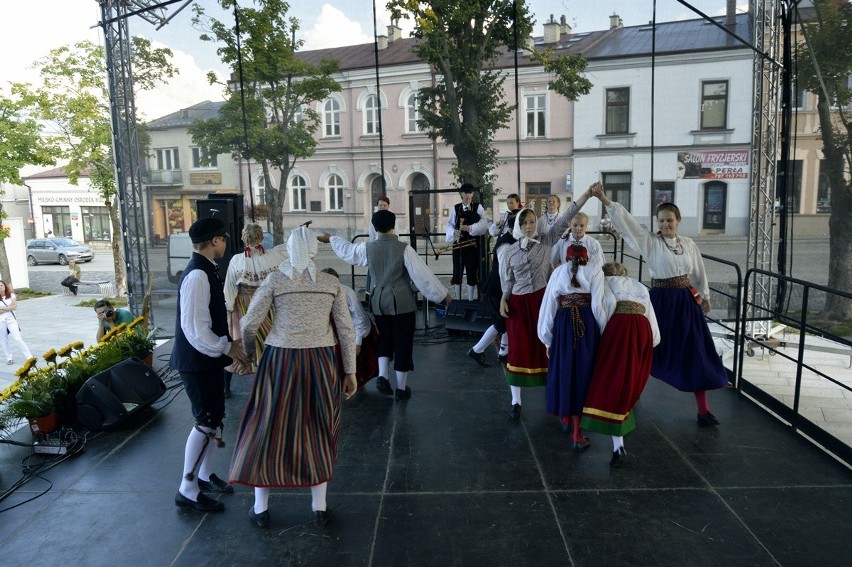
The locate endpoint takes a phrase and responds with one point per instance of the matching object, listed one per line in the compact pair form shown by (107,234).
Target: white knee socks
(384,362)
(516,394)
(470,290)
(261,499)
(318,496)
(196,452)
(504,343)
(457,289)
(617,443)
(487,338)
(401,378)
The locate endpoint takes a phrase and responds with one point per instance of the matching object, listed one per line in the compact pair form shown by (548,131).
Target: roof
(186,116)
(55,173)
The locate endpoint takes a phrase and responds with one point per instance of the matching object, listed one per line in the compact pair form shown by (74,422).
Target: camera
(109,313)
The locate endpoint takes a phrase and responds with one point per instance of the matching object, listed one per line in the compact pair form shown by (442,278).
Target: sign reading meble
(729,164)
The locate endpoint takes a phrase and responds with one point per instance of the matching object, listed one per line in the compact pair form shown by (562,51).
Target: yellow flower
(65,351)
(26,366)
(120,328)
(135,322)
(49,356)
(79,345)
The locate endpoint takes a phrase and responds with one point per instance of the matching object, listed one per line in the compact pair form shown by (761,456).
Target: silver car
(53,250)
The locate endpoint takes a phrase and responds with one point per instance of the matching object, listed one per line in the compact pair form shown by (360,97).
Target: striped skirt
(287,436)
(527,364)
(241,304)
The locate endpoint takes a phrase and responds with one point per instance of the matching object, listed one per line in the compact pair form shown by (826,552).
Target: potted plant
(126,341)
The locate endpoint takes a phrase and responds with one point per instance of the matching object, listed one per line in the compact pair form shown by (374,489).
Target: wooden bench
(104,288)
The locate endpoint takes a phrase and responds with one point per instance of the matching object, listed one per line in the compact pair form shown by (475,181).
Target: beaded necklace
(677,249)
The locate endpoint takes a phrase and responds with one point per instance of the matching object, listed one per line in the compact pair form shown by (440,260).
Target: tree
(461,41)
(20,145)
(278,90)
(826,74)
(73,99)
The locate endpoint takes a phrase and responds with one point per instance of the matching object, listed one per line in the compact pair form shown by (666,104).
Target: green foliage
(20,138)
(279,89)
(566,70)
(114,301)
(27,293)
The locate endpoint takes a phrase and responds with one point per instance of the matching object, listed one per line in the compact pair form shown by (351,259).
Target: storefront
(81,216)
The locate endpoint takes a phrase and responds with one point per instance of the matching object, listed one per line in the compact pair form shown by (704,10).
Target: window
(298,114)
(335,193)
(371,115)
(57,220)
(823,190)
(536,112)
(96,223)
(618,110)
(299,189)
(201,158)
(540,188)
(617,187)
(794,187)
(663,193)
(331,118)
(714,105)
(412,115)
(167,159)
(260,185)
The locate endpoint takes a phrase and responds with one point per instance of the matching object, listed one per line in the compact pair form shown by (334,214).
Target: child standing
(623,363)
(569,323)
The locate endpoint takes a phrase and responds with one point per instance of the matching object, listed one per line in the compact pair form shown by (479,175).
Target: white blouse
(591,281)
(662,262)
(249,270)
(621,288)
(546,221)
(560,249)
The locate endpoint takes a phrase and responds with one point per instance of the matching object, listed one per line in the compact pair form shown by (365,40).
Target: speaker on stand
(227,207)
(464,317)
(109,398)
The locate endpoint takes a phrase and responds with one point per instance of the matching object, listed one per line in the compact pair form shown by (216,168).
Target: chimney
(615,22)
(551,31)
(382,40)
(731,14)
(564,28)
(394,32)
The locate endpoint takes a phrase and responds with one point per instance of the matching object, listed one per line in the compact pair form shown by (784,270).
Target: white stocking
(198,446)
(401,378)
(470,290)
(516,394)
(318,496)
(504,343)
(384,362)
(617,443)
(261,499)
(487,338)
(458,291)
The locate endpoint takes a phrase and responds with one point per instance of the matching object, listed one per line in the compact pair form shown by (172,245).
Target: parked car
(179,250)
(53,250)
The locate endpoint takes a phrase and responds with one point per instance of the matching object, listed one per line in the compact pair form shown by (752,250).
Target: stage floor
(446,479)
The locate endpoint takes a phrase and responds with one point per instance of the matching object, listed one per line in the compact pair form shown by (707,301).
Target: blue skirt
(569,369)
(686,356)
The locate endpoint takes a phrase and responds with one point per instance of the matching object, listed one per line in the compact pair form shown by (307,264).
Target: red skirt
(527,363)
(622,368)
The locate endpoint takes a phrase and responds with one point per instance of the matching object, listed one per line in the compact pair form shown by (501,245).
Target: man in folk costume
(467,221)
(394,266)
(202,349)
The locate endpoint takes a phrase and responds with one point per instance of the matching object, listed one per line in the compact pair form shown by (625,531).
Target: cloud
(333,28)
(187,88)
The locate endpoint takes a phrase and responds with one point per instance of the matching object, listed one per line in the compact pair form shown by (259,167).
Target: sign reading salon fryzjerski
(718,164)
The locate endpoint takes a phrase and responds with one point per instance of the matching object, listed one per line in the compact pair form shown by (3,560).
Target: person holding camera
(109,317)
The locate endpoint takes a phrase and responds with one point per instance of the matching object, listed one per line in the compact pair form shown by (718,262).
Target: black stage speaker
(228,208)
(464,315)
(109,398)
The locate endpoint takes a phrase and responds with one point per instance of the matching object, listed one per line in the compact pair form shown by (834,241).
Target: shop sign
(67,199)
(727,164)
(211,178)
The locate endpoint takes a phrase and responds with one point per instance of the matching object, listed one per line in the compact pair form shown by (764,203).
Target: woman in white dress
(9,328)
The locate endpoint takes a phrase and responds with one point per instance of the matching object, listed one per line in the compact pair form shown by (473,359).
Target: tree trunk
(840,229)
(117,254)
(5,272)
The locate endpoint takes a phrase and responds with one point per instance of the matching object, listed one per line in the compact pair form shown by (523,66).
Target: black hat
(206,229)
(467,188)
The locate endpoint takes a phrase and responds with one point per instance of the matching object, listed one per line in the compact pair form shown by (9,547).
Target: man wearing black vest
(466,223)
(393,265)
(202,349)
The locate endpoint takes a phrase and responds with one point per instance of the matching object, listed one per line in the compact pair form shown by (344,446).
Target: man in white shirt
(202,349)
(467,221)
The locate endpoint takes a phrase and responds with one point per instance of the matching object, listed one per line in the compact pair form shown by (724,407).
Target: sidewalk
(46,323)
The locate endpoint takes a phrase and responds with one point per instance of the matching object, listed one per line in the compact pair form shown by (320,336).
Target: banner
(725,164)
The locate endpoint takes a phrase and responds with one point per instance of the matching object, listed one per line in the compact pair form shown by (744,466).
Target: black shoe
(227,392)
(262,519)
(479,357)
(74,290)
(215,484)
(204,504)
(580,446)
(322,517)
(617,458)
(515,412)
(383,386)
(503,358)
(402,395)
(707,420)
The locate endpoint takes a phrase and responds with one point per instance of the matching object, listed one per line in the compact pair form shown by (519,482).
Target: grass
(115,301)
(27,293)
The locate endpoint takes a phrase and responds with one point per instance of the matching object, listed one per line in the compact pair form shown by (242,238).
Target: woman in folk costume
(570,321)
(623,363)
(546,220)
(524,270)
(576,234)
(686,356)
(288,432)
(245,274)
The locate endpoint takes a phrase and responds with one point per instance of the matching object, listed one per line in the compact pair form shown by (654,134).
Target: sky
(31,28)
